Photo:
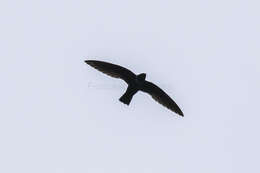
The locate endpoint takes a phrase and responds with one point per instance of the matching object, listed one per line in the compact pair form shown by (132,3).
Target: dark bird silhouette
(135,83)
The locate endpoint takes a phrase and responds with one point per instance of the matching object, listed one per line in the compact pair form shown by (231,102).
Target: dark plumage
(135,83)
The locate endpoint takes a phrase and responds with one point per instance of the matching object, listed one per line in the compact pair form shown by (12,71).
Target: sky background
(59,115)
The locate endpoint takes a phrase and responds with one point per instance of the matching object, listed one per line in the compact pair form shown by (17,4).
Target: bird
(135,83)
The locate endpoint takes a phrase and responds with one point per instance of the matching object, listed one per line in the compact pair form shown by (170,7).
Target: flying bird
(135,83)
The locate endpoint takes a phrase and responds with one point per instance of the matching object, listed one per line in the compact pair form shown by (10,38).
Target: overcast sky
(59,115)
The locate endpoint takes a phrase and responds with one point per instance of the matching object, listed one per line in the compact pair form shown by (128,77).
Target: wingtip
(181,114)
(89,62)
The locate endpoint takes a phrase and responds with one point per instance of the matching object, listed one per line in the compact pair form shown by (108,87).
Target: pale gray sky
(59,115)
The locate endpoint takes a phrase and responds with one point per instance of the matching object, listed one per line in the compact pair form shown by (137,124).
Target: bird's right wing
(112,70)
(160,96)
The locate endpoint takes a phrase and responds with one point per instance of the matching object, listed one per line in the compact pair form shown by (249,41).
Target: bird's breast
(138,84)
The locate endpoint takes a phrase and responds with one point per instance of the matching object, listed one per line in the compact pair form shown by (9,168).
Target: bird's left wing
(160,96)
(112,70)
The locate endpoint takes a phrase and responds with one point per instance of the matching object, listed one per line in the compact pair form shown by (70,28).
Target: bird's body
(135,83)
(133,87)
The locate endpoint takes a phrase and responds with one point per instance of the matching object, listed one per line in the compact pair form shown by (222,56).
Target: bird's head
(141,77)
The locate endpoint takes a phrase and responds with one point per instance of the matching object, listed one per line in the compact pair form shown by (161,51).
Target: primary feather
(161,97)
(112,70)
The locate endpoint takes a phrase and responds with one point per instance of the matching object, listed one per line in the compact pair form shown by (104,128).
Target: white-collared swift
(135,83)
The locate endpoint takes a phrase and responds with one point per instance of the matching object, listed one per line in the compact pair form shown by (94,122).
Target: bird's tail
(128,95)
